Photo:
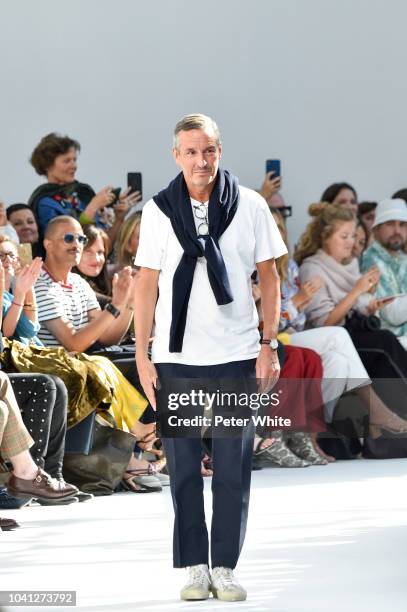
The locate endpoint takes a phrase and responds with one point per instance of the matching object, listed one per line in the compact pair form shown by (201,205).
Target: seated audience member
(361,240)
(19,308)
(24,222)
(343,370)
(56,158)
(387,254)
(325,251)
(93,265)
(366,213)
(127,242)
(68,310)
(27,480)
(341,194)
(6,229)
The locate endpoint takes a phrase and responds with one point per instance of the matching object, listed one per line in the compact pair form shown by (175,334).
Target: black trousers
(43,401)
(232,461)
(385,360)
(381,353)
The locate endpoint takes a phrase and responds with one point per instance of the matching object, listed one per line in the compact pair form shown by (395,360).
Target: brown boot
(41,487)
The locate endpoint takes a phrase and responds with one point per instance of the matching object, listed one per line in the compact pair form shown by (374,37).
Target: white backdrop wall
(320,84)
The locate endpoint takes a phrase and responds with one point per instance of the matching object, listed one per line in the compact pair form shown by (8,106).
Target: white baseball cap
(390,210)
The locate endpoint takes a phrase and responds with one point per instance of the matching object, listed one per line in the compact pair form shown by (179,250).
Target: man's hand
(267,369)
(148,379)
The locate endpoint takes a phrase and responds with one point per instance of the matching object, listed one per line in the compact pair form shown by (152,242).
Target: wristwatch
(112,309)
(273,343)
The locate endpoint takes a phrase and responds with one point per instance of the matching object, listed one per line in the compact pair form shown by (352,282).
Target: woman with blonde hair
(127,241)
(346,298)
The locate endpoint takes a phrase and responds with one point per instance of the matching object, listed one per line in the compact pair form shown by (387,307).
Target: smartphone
(134,180)
(393,297)
(273,165)
(25,254)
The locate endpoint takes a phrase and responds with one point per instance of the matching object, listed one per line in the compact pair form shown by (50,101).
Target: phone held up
(134,181)
(273,165)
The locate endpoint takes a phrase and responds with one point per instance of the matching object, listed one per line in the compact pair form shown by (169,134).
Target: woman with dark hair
(341,194)
(92,266)
(55,157)
(361,239)
(366,213)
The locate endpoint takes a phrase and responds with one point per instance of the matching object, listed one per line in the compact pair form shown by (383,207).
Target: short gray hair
(195,121)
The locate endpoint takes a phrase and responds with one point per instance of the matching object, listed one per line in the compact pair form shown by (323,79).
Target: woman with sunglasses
(55,157)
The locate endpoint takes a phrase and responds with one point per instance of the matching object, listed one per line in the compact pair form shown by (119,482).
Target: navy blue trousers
(232,461)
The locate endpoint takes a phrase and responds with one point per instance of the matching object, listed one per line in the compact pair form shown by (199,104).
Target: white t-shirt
(56,300)
(213,334)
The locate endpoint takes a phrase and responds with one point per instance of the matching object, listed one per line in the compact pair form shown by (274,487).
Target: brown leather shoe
(8,524)
(42,487)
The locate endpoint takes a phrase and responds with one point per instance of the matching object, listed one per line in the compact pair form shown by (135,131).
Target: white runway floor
(319,539)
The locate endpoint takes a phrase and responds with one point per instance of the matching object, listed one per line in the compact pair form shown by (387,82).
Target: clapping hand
(27,277)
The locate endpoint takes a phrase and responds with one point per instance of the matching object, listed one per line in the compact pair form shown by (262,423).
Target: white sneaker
(225,586)
(199,582)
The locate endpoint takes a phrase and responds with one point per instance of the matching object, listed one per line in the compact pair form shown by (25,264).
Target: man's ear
(47,243)
(175,154)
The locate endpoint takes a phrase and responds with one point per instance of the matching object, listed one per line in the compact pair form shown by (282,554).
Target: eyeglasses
(201,213)
(11,256)
(70,238)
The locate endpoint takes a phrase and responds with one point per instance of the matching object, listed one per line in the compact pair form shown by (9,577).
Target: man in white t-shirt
(200,241)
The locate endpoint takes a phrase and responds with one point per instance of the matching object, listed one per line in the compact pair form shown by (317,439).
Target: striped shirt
(57,300)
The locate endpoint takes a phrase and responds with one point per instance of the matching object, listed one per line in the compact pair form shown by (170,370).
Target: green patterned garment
(393,278)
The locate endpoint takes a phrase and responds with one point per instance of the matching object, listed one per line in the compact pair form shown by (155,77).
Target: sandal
(151,444)
(206,466)
(145,480)
(258,450)
(141,481)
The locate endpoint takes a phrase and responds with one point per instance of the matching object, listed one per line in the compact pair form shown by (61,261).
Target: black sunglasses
(285,211)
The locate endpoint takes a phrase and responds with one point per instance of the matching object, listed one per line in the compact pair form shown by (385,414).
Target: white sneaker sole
(194,594)
(229,595)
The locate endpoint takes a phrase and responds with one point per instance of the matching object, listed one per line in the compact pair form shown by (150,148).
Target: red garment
(299,390)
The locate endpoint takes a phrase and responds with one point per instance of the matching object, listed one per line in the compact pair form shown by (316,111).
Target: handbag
(100,472)
(358,322)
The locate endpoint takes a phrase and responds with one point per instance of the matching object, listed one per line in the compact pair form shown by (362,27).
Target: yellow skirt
(92,381)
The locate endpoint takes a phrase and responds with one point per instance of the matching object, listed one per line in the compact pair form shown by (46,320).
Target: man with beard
(386,252)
